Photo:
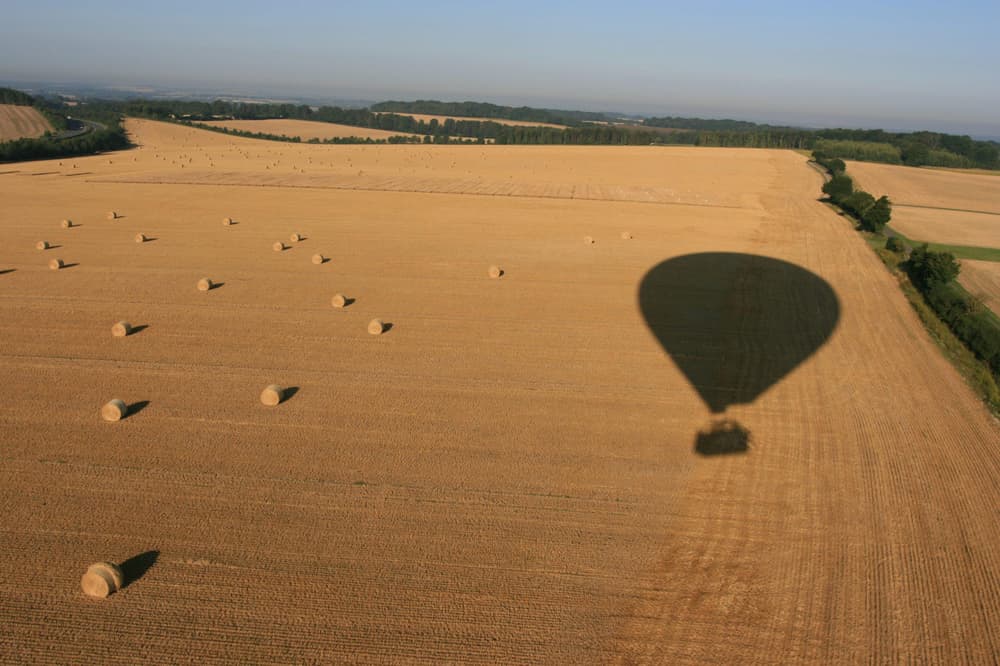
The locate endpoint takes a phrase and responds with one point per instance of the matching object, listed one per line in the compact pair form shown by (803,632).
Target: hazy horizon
(922,66)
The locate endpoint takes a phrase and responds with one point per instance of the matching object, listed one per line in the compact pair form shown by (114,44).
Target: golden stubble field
(21,122)
(305,129)
(943,206)
(509,474)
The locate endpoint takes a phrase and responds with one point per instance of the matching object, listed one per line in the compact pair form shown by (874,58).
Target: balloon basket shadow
(722,438)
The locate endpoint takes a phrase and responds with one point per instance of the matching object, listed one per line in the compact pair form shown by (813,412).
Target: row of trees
(873,214)
(934,273)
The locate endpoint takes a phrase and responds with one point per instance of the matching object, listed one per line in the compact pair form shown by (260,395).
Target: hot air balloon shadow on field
(735,324)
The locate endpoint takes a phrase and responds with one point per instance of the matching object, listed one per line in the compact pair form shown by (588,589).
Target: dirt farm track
(517,471)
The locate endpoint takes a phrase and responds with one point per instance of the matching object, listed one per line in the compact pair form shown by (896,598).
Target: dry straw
(338,301)
(296,238)
(204,284)
(112,215)
(102,580)
(272,395)
(42,245)
(114,410)
(376,327)
(121,329)
(626,235)
(56,264)
(589,240)
(318,259)
(140,238)
(495,272)
(226,221)
(66,224)
(279,246)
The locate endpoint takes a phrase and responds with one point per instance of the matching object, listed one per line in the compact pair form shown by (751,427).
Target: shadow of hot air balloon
(735,324)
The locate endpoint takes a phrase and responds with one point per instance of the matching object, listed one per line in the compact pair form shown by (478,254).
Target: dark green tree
(930,269)
(876,217)
(838,188)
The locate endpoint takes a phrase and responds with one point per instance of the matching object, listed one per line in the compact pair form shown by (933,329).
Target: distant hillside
(16,97)
(491,111)
(713,125)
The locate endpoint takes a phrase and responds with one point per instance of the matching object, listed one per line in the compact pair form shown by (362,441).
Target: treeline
(911,149)
(16,97)
(486,110)
(934,274)
(711,124)
(872,214)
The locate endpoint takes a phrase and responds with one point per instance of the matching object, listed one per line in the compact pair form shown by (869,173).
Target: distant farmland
(21,122)
(304,129)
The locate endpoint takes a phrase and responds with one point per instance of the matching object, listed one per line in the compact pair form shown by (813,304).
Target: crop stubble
(508,474)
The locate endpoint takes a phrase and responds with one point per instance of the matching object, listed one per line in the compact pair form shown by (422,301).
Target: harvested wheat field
(937,205)
(304,129)
(951,227)
(982,280)
(21,122)
(427,117)
(515,470)
(930,188)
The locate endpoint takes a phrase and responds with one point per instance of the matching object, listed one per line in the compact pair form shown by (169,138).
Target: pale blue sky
(890,64)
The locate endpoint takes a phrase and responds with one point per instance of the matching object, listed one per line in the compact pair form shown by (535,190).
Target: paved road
(79,128)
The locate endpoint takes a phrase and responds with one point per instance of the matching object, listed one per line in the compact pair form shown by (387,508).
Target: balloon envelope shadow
(736,324)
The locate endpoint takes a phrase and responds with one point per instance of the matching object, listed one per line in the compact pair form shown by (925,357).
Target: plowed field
(21,122)
(513,472)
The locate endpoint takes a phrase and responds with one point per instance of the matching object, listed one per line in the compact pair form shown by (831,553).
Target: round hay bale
(338,301)
(279,246)
(226,221)
(495,272)
(626,235)
(204,284)
(114,410)
(102,580)
(121,329)
(56,264)
(112,215)
(42,245)
(272,395)
(140,238)
(376,327)
(66,224)
(296,238)
(589,240)
(318,259)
